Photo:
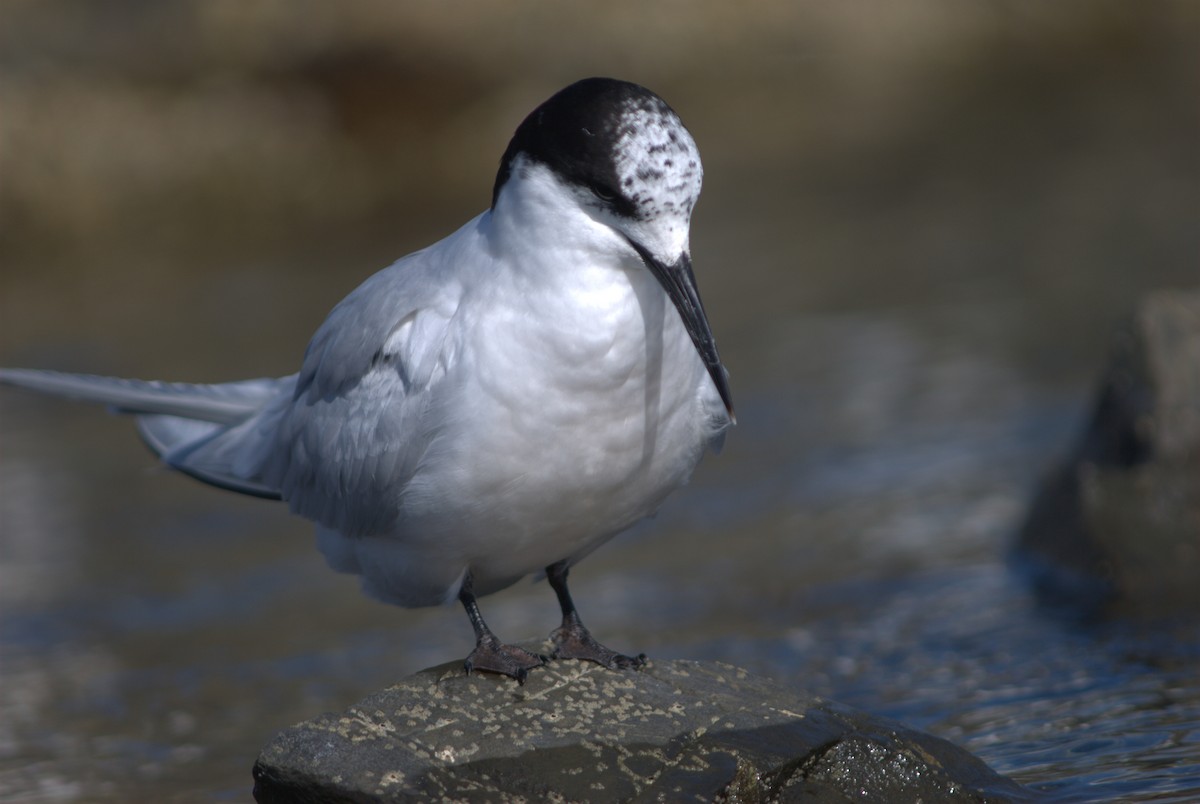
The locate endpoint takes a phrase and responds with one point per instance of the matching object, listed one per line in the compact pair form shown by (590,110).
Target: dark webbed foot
(493,656)
(573,641)
(490,654)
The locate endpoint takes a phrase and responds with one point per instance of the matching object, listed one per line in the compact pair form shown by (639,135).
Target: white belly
(568,424)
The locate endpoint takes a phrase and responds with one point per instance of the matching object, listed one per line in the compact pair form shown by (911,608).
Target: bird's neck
(537,214)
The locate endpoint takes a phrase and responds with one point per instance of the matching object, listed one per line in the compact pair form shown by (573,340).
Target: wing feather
(358,424)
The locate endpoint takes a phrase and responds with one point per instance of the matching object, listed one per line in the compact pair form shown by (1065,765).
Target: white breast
(581,411)
(575,403)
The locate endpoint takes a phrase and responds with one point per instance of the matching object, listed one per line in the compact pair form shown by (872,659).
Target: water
(156,633)
(912,281)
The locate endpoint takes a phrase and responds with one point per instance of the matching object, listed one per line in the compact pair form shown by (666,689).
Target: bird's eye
(604,193)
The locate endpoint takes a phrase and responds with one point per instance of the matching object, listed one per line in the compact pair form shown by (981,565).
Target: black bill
(680,284)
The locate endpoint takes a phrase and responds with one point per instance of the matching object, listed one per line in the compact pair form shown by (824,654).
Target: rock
(1116,528)
(676,730)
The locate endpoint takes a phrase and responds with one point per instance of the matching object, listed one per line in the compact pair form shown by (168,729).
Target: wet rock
(675,730)
(1116,528)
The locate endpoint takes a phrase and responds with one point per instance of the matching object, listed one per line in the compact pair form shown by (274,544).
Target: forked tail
(211,432)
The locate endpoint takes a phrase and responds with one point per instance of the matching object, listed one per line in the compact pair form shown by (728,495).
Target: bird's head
(627,160)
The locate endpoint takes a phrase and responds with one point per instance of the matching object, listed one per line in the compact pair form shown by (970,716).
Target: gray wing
(341,439)
(363,411)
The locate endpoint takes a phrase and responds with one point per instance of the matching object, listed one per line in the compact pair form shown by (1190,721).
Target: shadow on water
(912,248)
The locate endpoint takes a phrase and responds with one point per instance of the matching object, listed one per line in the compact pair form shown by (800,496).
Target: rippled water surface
(913,316)
(156,633)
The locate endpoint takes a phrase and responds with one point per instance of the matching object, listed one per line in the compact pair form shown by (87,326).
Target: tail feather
(211,453)
(211,432)
(226,403)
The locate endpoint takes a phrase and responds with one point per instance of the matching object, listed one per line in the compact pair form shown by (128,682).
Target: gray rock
(1116,528)
(676,730)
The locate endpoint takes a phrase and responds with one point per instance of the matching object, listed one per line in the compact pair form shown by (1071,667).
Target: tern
(498,404)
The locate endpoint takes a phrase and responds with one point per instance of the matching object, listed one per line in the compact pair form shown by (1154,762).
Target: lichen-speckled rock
(673,731)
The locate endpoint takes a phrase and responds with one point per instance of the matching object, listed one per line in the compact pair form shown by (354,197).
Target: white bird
(499,403)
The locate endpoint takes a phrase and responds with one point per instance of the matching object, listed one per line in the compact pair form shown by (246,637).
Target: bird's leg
(572,640)
(490,653)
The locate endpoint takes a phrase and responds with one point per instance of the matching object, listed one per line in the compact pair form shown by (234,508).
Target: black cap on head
(575,132)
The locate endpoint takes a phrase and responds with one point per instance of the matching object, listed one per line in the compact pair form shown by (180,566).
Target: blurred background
(921,223)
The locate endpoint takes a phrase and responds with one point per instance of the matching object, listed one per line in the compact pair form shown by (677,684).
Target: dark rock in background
(1116,528)
(675,731)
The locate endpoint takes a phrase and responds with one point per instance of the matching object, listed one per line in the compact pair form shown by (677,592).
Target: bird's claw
(493,656)
(573,641)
